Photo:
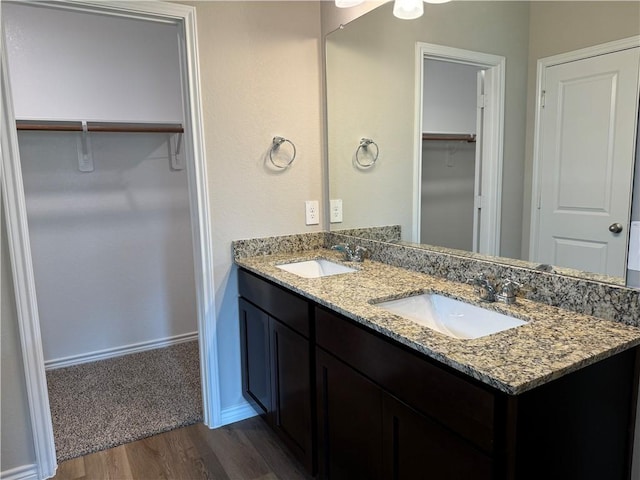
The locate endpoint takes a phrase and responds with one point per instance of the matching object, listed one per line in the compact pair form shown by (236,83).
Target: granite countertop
(553,343)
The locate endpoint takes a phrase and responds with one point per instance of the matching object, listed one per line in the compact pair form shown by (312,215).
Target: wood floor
(244,450)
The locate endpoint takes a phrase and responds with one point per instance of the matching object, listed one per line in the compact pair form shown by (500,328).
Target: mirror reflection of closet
(450,179)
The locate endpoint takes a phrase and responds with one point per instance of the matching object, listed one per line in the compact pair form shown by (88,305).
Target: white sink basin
(449,316)
(316,268)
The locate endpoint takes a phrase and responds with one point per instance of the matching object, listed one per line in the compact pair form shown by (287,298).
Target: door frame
(492,137)
(542,64)
(201,226)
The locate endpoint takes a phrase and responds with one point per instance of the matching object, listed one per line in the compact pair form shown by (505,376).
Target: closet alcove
(100,128)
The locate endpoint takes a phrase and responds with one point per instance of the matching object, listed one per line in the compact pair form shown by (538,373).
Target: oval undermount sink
(450,316)
(316,268)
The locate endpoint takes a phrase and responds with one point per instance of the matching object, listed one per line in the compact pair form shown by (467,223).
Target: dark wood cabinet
(415,446)
(256,357)
(349,421)
(352,403)
(291,384)
(581,425)
(366,432)
(462,405)
(430,421)
(277,362)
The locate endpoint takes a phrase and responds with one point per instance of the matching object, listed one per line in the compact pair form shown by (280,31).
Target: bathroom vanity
(356,391)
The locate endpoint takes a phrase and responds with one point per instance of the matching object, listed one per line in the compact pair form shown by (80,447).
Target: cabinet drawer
(455,402)
(288,308)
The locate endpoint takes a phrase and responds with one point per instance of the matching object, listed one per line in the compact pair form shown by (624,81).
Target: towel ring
(277,142)
(364,146)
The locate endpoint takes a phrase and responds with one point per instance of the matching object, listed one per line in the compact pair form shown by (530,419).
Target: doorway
(450,160)
(183,18)
(458,160)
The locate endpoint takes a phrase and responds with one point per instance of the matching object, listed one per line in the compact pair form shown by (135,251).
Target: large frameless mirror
(462,105)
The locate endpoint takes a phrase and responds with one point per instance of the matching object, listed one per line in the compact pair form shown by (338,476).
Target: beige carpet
(107,403)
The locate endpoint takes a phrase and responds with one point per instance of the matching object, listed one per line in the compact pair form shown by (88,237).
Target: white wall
(260,76)
(16,441)
(128,69)
(112,248)
(449,97)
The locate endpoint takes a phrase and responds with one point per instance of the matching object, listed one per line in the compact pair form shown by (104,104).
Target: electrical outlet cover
(335,207)
(312,212)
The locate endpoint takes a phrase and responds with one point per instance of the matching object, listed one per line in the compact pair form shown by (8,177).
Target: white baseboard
(119,351)
(236,413)
(24,472)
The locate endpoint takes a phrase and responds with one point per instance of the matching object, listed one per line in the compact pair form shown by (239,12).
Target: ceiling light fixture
(408,9)
(348,3)
(404,9)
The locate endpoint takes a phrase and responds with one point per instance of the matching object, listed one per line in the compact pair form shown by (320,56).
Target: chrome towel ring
(275,146)
(363,149)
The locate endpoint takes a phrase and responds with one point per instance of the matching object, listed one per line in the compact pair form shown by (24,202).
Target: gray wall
(16,440)
(448,181)
(332,17)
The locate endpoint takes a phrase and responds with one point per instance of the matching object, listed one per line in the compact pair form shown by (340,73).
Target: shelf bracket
(175,145)
(85,154)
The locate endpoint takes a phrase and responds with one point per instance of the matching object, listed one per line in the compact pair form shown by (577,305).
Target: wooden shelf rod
(110,127)
(451,137)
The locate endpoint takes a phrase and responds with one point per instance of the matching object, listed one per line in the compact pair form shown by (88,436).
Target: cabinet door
(415,446)
(349,421)
(254,350)
(291,386)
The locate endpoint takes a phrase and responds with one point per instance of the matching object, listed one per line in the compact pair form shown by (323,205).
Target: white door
(587,141)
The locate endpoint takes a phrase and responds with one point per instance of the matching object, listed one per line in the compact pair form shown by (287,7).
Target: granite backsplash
(586,296)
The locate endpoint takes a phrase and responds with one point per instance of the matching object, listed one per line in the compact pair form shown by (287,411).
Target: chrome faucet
(491,291)
(351,255)
(508,291)
(484,288)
